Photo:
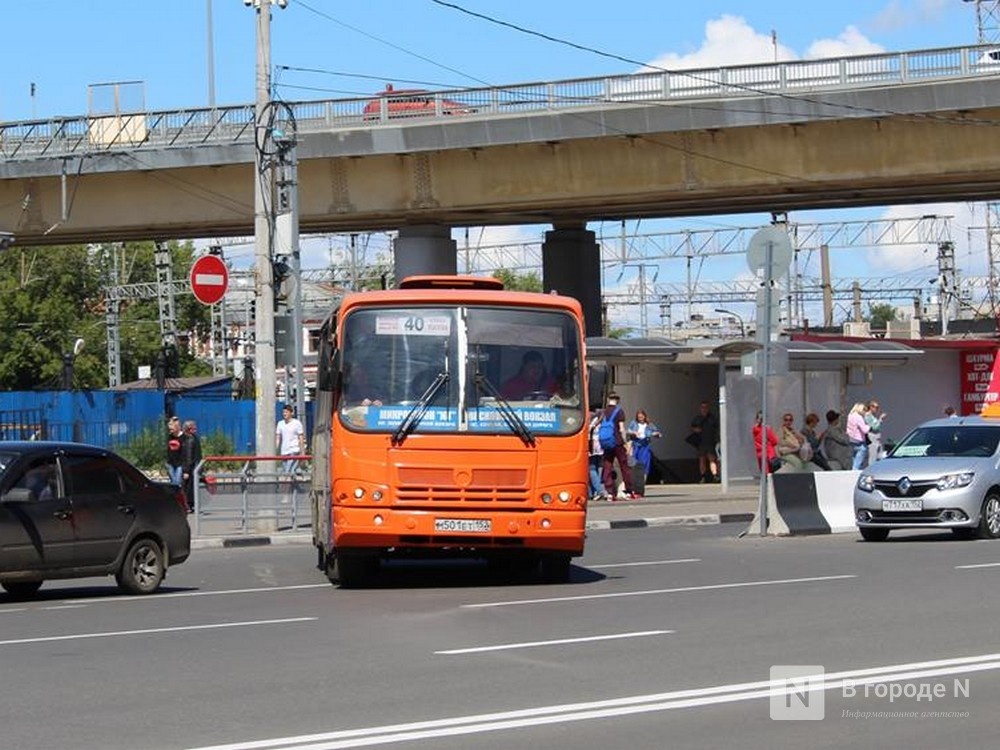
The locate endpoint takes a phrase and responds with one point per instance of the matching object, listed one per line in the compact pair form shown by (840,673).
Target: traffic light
(280,271)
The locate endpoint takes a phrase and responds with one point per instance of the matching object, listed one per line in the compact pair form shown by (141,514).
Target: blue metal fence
(113,418)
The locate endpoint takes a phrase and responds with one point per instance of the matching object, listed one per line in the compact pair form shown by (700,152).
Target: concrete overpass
(904,127)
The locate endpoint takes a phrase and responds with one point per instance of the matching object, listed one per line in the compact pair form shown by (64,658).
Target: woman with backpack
(611,434)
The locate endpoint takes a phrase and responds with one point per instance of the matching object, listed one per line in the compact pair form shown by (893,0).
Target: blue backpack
(606,433)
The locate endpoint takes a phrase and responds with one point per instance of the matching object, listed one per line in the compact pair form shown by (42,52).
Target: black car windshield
(949,440)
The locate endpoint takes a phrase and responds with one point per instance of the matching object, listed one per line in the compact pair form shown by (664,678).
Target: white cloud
(729,40)
(850,42)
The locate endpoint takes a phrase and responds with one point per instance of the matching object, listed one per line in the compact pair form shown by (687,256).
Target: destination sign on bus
(412,325)
(444,418)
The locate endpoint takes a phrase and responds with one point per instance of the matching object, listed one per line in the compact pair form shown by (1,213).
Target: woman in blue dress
(640,431)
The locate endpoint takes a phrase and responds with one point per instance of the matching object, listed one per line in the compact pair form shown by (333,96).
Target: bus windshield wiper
(414,415)
(516,424)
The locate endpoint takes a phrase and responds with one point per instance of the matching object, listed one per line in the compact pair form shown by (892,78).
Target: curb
(219,542)
(706,519)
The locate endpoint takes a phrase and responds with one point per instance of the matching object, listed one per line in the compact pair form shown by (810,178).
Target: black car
(70,511)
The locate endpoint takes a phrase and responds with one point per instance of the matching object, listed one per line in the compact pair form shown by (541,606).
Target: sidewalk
(663,505)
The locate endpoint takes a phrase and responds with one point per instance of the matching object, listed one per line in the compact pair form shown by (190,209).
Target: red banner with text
(980,380)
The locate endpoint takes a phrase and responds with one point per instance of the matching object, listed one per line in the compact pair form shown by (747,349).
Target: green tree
(880,314)
(49,298)
(518,282)
(52,296)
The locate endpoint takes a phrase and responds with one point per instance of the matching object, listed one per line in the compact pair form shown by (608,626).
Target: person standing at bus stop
(291,439)
(611,434)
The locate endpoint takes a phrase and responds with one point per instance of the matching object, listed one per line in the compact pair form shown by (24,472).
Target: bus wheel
(350,569)
(555,568)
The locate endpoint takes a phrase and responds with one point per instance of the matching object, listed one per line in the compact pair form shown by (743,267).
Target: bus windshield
(483,370)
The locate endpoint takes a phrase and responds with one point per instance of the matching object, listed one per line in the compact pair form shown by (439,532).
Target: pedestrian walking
(640,432)
(191,450)
(857,432)
(175,451)
(291,439)
(596,453)
(611,433)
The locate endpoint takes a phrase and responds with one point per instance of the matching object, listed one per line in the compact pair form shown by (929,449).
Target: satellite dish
(775,236)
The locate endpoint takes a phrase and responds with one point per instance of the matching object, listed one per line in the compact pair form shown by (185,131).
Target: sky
(62,54)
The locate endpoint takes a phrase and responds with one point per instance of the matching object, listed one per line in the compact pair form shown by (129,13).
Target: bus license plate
(902,505)
(475,525)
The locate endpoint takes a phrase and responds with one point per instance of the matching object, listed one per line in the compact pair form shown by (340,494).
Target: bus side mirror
(597,383)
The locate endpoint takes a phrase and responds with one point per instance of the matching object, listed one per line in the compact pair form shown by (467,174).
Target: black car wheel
(142,569)
(21,589)
(989,518)
(874,535)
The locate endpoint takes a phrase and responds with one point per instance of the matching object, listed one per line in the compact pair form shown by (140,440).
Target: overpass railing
(60,137)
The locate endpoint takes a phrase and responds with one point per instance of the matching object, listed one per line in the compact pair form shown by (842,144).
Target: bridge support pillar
(571,265)
(424,249)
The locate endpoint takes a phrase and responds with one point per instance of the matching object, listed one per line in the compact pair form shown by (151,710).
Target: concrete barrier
(819,502)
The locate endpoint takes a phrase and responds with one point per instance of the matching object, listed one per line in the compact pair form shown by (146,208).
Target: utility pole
(264,376)
(287,245)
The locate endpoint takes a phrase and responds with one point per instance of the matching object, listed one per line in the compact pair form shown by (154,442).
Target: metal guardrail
(257,498)
(80,136)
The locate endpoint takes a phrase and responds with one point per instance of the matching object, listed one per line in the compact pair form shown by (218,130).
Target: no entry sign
(209,279)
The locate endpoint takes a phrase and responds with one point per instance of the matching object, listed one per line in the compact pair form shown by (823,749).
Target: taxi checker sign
(209,279)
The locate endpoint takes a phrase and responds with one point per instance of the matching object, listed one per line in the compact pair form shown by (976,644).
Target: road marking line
(66,606)
(17,609)
(640,564)
(653,592)
(981,565)
(558,642)
(615,707)
(182,594)
(150,631)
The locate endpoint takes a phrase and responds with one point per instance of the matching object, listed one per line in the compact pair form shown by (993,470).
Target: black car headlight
(866,483)
(954,481)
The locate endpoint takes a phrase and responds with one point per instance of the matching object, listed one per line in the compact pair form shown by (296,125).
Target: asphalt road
(666,637)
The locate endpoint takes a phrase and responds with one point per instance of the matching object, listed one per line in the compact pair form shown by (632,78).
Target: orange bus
(451,420)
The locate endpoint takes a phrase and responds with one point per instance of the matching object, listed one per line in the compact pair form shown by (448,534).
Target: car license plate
(475,525)
(902,505)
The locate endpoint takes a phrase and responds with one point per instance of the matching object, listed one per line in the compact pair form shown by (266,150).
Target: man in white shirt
(291,439)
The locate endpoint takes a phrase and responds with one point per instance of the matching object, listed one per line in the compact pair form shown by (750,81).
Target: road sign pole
(765,365)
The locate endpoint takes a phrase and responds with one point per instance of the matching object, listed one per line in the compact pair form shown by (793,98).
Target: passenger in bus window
(358,388)
(531,381)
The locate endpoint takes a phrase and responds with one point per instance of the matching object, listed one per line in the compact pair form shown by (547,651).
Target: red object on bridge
(209,279)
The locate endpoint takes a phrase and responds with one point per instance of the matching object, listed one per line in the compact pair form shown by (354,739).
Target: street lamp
(743,328)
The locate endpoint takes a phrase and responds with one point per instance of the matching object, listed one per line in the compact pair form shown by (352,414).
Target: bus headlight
(564,496)
(546,498)
(359,492)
